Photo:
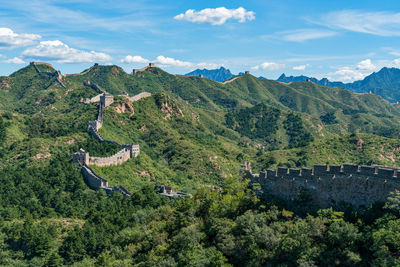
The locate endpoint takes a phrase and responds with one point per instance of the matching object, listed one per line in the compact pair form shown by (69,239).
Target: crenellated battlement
(327,171)
(330,184)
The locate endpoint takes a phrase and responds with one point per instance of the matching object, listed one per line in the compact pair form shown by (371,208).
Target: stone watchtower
(106,99)
(151,65)
(247,72)
(201,76)
(81,157)
(134,150)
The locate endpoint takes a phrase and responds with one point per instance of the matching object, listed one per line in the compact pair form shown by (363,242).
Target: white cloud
(10,39)
(216,16)
(306,34)
(62,53)
(15,60)
(396,63)
(171,62)
(301,67)
(376,23)
(268,66)
(346,74)
(205,65)
(366,65)
(134,59)
(395,53)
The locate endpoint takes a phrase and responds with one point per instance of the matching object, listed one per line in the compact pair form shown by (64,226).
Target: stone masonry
(83,158)
(329,185)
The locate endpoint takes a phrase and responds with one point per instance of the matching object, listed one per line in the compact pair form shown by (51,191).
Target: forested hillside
(194,135)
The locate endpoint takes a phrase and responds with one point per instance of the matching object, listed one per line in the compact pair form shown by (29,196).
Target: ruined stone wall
(329,185)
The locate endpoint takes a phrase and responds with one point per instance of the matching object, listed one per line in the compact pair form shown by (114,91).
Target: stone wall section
(330,185)
(231,80)
(120,157)
(137,97)
(94,99)
(57,74)
(135,71)
(94,86)
(83,73)
(83,158)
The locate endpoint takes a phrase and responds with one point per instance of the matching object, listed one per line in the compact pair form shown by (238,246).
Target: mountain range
(385,83)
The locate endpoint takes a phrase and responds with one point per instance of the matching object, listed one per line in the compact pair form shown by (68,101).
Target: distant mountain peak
(222,74)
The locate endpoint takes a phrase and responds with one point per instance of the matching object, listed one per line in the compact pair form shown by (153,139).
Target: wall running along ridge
(151,65)
(82,157)
(137,97)
(57,74)
(83,73)
(329,185)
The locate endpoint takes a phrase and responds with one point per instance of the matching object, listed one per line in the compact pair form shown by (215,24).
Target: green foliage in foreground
(55,221)
(2,131)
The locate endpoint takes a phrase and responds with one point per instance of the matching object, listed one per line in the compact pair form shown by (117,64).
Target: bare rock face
(5,84)
(360,143)
(169,107)
(124,107)
(42,155)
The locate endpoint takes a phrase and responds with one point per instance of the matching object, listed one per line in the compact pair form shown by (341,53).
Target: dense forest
(41,227)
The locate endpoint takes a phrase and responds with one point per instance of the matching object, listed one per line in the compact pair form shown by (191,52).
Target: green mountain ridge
(45,109)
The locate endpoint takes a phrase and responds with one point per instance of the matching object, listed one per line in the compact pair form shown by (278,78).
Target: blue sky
(341,40)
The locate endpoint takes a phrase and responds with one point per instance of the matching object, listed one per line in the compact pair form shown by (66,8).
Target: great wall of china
(56,74)
(329,185)
(85,160)
(84,72)
(135,71)
(325,185)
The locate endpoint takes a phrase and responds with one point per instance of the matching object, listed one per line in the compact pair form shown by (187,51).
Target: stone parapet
(354,184)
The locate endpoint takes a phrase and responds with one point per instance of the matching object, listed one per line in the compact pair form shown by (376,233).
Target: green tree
(2,131)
